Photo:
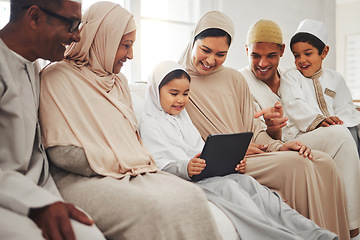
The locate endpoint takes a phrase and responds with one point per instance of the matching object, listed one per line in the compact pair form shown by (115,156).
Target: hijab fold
(86,105)
(214,19)
(100,35)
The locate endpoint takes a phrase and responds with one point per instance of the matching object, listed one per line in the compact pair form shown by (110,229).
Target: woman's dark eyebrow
(206,47)
(212,50)
(173,89)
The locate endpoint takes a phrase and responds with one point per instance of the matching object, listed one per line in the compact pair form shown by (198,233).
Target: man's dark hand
(54,220)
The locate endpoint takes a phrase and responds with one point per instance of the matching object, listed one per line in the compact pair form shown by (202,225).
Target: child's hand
(240,168)
(196,165)
(333,120)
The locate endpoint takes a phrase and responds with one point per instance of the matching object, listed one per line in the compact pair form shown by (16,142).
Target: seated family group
(74,139)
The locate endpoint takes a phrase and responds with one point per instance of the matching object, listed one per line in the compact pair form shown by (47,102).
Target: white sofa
(225,226)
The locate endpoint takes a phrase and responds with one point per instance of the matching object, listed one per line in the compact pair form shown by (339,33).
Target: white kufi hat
(316,28)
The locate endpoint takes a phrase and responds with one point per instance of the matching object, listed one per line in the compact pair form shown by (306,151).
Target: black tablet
(222,152)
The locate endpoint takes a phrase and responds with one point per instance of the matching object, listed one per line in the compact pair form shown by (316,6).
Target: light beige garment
(86,110)
(25,181)
(156,206)
(220,102)
(84,104)
(320,100)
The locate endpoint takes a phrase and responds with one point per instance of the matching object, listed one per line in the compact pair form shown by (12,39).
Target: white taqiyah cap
(316,28)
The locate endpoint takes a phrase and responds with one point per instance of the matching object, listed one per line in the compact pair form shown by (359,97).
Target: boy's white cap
(79,1)
(316,28)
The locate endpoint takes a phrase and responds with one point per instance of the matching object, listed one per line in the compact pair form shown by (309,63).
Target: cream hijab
(220,102)
(213,19)
(169,138)
(84,104)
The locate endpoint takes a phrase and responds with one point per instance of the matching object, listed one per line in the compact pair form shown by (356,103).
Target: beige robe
(220,102)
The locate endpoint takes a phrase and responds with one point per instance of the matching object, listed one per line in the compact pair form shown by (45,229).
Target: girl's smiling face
(175,95)
(307,58)
(209,53)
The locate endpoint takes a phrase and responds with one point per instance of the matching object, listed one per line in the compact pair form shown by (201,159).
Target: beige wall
(347,23)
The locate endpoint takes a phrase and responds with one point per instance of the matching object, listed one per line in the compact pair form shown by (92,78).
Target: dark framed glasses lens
(74,26)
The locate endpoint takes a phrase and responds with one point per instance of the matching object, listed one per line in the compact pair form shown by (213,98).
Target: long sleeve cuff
(178,168)
(319,118)
(263,138)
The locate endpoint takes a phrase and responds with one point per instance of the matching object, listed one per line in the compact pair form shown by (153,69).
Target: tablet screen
(222,152)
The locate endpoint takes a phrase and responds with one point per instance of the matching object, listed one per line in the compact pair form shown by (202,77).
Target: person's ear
(247,49)
(33,16)
(325,51)
(282,49)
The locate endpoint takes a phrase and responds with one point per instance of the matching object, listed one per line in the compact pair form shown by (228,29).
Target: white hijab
(169,138)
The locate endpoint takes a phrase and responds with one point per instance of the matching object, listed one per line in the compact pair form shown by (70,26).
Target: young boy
(314,96)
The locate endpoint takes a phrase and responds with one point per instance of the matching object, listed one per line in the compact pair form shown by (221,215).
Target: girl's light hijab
(167,125)
(86,105)
(214,19)
(152,96)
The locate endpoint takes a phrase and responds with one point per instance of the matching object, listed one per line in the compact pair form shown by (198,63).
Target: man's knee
(294,160)
(84,232)
(338,133)
(14,226)
(323,159)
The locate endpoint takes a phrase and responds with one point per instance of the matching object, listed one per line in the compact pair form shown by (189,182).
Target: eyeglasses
(74,23)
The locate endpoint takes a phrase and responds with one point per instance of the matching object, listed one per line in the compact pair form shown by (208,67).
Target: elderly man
(265,47)
(30,204)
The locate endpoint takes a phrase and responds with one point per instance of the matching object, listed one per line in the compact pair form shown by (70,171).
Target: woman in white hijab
(220,102)
(173,140)
(90,134)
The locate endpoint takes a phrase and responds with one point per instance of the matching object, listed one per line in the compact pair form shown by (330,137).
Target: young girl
(172,139)
(314,96)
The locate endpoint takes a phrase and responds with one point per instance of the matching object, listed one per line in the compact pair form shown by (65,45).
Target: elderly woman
(90,134)
(220,102)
